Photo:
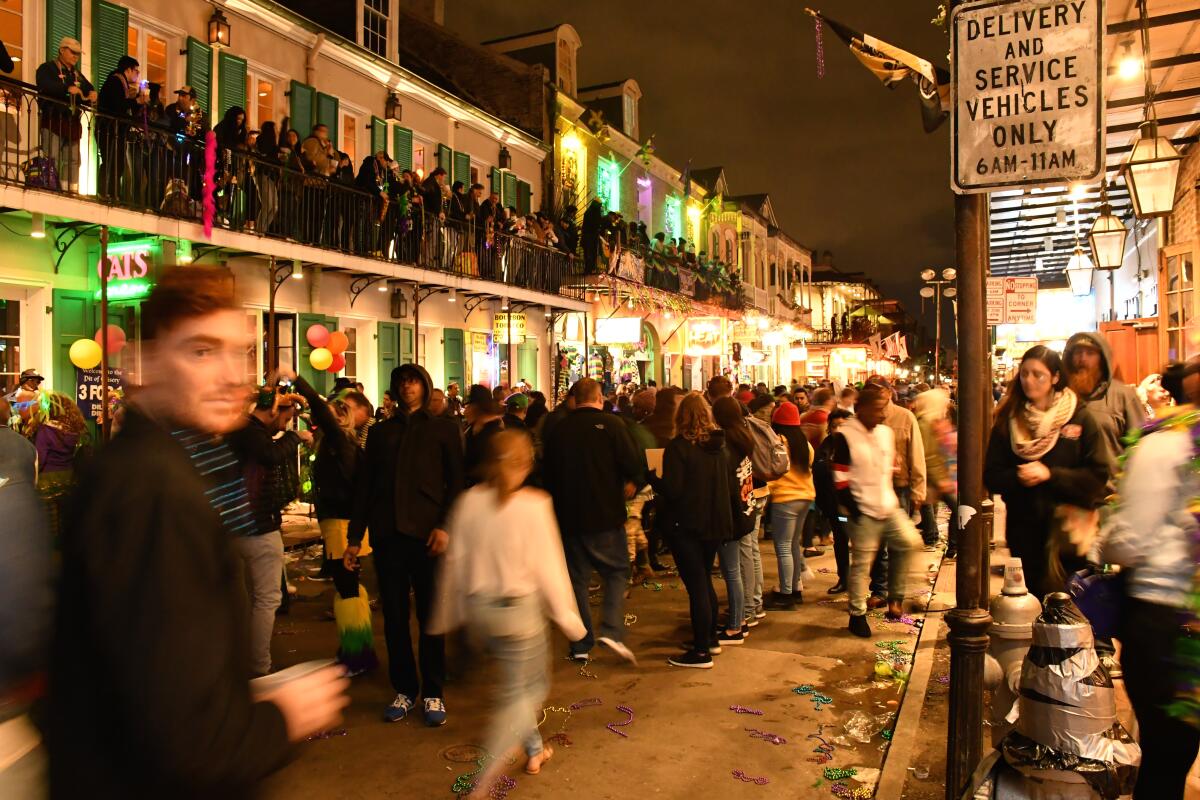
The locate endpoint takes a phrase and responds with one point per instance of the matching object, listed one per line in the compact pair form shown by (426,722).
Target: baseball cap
(186,89)
(71,44)
(517,401)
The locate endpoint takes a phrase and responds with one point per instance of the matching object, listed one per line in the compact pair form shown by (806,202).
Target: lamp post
(938,288)
(1107,242)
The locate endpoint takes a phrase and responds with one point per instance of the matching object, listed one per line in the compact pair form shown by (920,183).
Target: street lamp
(1107,237)
(1079,273)
(218,29)
(938,288)
(1151,173)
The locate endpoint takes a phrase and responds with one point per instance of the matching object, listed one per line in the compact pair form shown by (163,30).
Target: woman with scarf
(1048,459)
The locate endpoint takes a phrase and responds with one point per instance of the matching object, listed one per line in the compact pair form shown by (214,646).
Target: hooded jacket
(700,486)
(1113,404)
(411,473)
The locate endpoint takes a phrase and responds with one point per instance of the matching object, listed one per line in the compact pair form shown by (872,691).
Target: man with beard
(1114,404)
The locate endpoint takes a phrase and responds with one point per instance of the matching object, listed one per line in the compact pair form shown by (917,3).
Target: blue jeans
(605,553)
(787,527)
(752,574)
(879,570)
(729,556)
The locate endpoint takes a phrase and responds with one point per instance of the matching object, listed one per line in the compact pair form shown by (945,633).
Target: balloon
(338,342)
(116,339)
(317,335)
(320,358)
(339,362)
(85,353)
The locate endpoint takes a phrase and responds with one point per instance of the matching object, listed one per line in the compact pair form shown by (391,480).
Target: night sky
(846,161)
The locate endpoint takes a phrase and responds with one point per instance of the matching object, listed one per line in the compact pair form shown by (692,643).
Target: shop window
(149,47)
(375,26)
(285,341)
(418,162)
(260,100)
(11,30)
(10,344)
(349,142)
(351,354)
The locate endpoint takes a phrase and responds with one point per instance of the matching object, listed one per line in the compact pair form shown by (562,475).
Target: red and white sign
(1012,301)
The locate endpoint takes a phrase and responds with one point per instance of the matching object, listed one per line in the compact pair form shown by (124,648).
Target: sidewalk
(683,741)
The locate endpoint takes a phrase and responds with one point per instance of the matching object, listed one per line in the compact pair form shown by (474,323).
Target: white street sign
(1027,93)
(1012,301)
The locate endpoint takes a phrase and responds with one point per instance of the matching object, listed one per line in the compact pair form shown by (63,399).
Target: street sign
(1012,301)
(1027,93)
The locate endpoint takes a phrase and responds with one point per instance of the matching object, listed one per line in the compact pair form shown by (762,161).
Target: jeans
(895,532)
(929,526)
(262,564)
(752,574)
(730,559)
(841,548)
(605,553)
(404,567)
(694,557)
(1149,633)
(787,526)
(514,632)
(879,570)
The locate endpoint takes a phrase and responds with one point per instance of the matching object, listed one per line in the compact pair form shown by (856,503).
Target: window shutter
(497,181)
(231,78)
(524,194)
(110,38)
(65,18)
(378,135)
(509,198)
(402,147)
(462,167)
(327,115)
(300,108)
(445,158)
(199,71)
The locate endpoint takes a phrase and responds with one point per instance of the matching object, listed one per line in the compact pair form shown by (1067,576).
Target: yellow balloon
(85,353)
(320,358)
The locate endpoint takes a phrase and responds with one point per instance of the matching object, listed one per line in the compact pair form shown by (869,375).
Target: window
(418,162)
(10,344)
(11,30)
(566,67)
(260,100)
(474,175)
(729,250)
(349,138)
(375,26)
(149,47)
(608,184)
(351,354)
(716,246)
(285,340)
(629,115)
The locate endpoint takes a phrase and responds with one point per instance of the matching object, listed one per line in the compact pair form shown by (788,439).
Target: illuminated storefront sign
(619,330)
(504,323)
(608,184)
(704,337)
(128,267)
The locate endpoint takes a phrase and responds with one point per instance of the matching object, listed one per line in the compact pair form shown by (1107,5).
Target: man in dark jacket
(591,468)
(1114,404)
(151,644)
(263,462)
(63,95)
(411,474)
(120,98)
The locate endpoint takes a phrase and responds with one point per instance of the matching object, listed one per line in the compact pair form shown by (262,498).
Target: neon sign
(127,268)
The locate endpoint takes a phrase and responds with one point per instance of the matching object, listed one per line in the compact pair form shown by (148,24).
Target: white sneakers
(619,648)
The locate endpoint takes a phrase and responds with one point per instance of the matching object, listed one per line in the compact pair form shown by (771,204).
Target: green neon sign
(608,184)
(128,267)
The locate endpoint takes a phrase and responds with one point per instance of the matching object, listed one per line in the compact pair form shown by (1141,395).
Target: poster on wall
(89,390)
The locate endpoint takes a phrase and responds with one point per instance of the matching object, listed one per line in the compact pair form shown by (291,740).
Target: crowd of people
(491,510)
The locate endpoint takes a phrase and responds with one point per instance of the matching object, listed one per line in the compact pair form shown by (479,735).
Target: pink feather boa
(210,173)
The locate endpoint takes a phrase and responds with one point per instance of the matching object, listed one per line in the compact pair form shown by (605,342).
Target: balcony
(159,169)
(691,283)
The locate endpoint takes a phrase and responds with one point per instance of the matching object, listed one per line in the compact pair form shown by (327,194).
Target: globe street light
(938,288)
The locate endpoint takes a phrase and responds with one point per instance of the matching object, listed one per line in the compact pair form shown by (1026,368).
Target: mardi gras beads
(744,778)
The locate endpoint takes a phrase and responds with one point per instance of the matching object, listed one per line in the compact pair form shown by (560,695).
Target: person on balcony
(120,101)
(459,202)
(373,179)
(64,94)
(593,221)
(231,136)
(266,176)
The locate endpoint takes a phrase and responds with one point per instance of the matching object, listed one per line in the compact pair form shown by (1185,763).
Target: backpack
(770,455)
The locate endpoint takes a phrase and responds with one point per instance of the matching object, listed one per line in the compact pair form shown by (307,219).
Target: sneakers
(579,658)
(619,648)
(752,621)
(860,627)
(759,613)
(691,659)
(399,709)
(435,712)
(731,638)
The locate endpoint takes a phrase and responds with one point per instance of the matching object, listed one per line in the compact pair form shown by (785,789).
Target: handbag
(1101,597)
(40,171)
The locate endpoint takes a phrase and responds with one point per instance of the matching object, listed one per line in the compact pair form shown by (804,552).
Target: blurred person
(411,474)
(58,431)
(499,392)
(827,501)
(816,419)
(940,444)
(739,442)
(159,637)
(454,403)
(641,407)
(1087,362)
(1048,458)
(863,463)
(537,410)
(1154,398)
(504,571)
(515,409)
(386,408)
(591,468)
(847,399)
(484,416)
(661,425)
(762,406)
(801,399)
(30,379)
(437,403)
(718,386)
(26,613)
(791,497)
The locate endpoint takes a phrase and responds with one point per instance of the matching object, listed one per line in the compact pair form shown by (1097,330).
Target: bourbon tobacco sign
(1028,93)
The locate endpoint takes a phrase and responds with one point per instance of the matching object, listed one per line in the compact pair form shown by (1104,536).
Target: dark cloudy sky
(846,161)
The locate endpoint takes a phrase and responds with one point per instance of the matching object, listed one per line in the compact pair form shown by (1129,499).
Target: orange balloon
(338,342)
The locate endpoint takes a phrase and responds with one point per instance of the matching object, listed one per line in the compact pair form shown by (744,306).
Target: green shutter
(402,147)
(453,355)
(524,195)
(378,135)
(445,158)
(462,167)
(327,115)
(509,198)
(199,72)
(231,78)
(300,108)
(110,38)
(389,346)
(527,360)
(65,18)
(408,344)
(497,180)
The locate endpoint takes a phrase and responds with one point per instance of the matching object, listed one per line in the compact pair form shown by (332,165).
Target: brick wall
(1185,220)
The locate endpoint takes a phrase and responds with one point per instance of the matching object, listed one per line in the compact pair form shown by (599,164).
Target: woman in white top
(503,573)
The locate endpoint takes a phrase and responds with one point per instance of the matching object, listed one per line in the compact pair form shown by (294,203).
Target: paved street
(683,740)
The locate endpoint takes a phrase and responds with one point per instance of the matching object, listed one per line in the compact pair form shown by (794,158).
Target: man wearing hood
(411,473)
(1113,404)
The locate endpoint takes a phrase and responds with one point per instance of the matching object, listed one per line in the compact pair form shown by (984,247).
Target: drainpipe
(310,59)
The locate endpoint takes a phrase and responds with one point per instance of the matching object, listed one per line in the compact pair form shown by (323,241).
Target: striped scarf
(227,494)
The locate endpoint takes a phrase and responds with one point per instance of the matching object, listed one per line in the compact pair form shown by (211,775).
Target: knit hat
(761,401)
(786,414)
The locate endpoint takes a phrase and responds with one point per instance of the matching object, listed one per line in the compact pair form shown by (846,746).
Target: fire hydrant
(1013,613)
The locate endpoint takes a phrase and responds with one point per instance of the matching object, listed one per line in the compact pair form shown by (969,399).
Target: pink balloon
(317,335)
(116,338)
(339,361)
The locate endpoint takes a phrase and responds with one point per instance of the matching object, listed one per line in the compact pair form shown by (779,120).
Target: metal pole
(416,322)
(105,421)
(937,337)
(969,620)
(508,343)
(272,351)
